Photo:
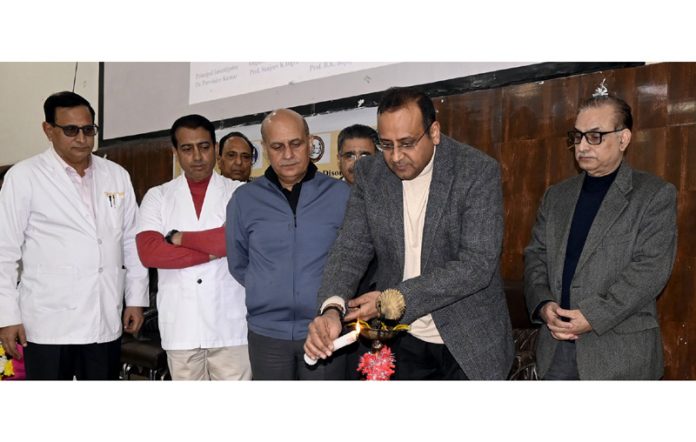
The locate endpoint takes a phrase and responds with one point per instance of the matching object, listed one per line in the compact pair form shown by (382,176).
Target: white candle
(338,343)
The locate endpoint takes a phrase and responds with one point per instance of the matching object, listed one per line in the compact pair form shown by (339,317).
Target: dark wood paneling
(681,95)
(523,126)
(650,102)
(149,162)
(686,137)
(476,121)
(4,169)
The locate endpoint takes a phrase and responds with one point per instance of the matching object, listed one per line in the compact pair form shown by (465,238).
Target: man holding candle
(430,209)
(279,230)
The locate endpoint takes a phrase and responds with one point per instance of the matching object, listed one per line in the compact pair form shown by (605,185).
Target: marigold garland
(6,367)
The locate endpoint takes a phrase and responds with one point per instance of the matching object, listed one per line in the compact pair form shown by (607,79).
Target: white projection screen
(211,81)
(141,98)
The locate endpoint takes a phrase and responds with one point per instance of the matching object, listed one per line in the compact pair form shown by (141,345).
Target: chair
(524,334)
(142,354)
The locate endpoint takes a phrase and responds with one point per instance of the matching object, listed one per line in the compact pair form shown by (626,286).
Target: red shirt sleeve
(155,252)
(210,242)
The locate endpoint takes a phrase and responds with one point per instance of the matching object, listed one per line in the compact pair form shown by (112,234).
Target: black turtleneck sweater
(293,196)
(594,189)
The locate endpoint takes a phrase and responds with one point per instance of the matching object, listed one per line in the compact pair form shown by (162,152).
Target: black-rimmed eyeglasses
(593,137)
(352,156)
(403,144)
(71,130)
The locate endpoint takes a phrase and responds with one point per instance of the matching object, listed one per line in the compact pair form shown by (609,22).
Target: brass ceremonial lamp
(378,364)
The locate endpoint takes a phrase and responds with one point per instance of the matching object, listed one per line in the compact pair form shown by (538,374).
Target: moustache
(288,163)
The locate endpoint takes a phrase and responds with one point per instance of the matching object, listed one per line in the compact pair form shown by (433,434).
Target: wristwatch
(169,235)
(341,314)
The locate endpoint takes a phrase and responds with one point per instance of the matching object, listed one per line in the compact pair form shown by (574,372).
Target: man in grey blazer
(431,210)
(601,252)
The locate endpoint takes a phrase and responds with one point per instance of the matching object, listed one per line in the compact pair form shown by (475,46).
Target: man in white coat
(201,310)
(69,217)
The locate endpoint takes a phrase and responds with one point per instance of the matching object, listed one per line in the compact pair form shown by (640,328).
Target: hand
(579,324)
(176,238)
(9,336)
(363,307)
(132,319)
(322,331)
(559,328)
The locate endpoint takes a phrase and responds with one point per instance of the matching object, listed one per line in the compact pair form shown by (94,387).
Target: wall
(524,126)
(23,89)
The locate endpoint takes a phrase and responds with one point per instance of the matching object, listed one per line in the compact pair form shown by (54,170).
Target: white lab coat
(200,306)
(74,271)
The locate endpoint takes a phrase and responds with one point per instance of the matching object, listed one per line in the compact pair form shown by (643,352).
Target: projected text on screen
(212,81)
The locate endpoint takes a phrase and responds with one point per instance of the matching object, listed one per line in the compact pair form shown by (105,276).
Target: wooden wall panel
(650,97)
(681,94)
(149,162)
(523,127)
(476,121)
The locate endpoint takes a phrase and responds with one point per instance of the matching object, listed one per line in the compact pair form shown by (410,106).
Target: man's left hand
(578,322)
(132,319)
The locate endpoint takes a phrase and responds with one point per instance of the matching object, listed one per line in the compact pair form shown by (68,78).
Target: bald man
(279,230)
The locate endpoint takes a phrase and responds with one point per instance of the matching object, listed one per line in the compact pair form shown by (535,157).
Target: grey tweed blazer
(624,265)
(460,283)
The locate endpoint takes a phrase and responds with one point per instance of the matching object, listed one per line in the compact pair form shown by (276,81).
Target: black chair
(142,354)
(524,333)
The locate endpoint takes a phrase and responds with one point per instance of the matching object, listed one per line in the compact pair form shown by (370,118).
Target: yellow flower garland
(6,367)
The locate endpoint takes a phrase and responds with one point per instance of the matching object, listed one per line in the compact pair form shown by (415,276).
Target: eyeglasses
(593,137)
(352,156)
(71,130)
(405,144)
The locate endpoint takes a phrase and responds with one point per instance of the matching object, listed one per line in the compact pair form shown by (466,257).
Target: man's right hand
(322,331)
(9,336)
(555,323)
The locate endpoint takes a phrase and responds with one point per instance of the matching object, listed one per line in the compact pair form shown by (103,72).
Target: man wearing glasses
(69,216)
(431,210)
(601,252)
(354,142)
(236,156)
